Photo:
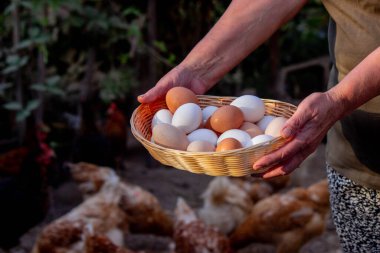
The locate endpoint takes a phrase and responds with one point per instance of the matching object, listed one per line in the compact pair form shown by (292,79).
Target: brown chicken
(115,130)
(144,213)
(191,235)
(287,220)
(114,210)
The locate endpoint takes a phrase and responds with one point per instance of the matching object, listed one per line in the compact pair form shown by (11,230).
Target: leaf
(9,69)
(32,104)
(21,115)
(160,45)
(4,86)
(13,106)
(38,87)
(12,59)
(131,11)
(53,80)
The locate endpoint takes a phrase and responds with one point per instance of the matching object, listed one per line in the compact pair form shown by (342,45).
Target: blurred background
(70,72)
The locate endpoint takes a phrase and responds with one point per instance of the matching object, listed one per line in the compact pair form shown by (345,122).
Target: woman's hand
(305,130)
(178,76)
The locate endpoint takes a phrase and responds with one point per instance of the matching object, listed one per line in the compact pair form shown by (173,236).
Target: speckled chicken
(191,235)
(287,220)
(114,210)
(228,201)
(144,213)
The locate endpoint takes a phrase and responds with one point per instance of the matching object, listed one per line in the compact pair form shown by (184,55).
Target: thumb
(153,94)
(294,124)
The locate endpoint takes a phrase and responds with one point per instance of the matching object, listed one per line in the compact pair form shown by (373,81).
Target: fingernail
(287,132)
(141,96)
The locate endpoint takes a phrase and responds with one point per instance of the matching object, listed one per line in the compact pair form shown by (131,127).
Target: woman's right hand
(178,76)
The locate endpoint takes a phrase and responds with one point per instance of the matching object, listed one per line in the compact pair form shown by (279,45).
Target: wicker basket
(236,162)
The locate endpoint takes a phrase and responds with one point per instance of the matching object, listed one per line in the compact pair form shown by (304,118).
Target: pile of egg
(185,126)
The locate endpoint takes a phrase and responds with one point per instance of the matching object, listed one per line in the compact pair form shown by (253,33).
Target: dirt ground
(168,184)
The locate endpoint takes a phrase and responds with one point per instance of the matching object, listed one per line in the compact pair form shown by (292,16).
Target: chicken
(97,243)
(287,220)
(24,186)
(90,177)
(225,204)
(143,210)
(101,211)
(115,129)
(191,235)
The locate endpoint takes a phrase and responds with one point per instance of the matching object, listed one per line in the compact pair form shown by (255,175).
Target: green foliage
(116,84)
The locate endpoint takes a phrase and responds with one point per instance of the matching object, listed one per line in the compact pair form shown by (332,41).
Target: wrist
(339,102)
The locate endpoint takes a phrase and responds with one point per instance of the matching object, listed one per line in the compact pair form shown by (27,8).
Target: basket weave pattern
(236,162)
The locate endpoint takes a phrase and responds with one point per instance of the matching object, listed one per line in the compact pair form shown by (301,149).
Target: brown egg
(228,144)
(252,129)
(225,118)
(178,96)
(169,136)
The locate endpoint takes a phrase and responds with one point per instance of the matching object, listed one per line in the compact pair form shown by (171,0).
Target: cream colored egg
(162,116)
(264,122)
(252,129)
(187,117)
(240,135)
(203,134)
(275,126)
(253,108)
(261,139)
(200,146)
(169,136)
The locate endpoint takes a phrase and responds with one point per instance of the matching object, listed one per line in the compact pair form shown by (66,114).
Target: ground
(168,184)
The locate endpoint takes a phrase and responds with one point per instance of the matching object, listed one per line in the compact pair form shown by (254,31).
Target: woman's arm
(319,111)
(244,26)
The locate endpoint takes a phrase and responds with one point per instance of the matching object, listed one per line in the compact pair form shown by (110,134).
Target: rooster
(287,220)
(191,235)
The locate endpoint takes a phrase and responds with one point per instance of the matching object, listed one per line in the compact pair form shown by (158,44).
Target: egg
(240,135)
(253,108)
(251,129)
(207,112)
(228,144)
(260,139)
(275,126)
(162,116)
(264,122)
(200,146)
(225,118)
(169,136)
(187,117)
(178,96)
(203,135)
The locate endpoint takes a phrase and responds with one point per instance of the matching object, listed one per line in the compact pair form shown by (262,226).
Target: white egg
(275,126)
(187,117)
(243,137)
(203,134)
(162,116)
(262,138)
(264,122)
(253,108)
(207,112)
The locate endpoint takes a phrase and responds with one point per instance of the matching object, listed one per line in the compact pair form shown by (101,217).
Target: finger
(153,94)
(295,123)
(286,168)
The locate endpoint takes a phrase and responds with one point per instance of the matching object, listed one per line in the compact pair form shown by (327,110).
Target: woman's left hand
(305,130)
